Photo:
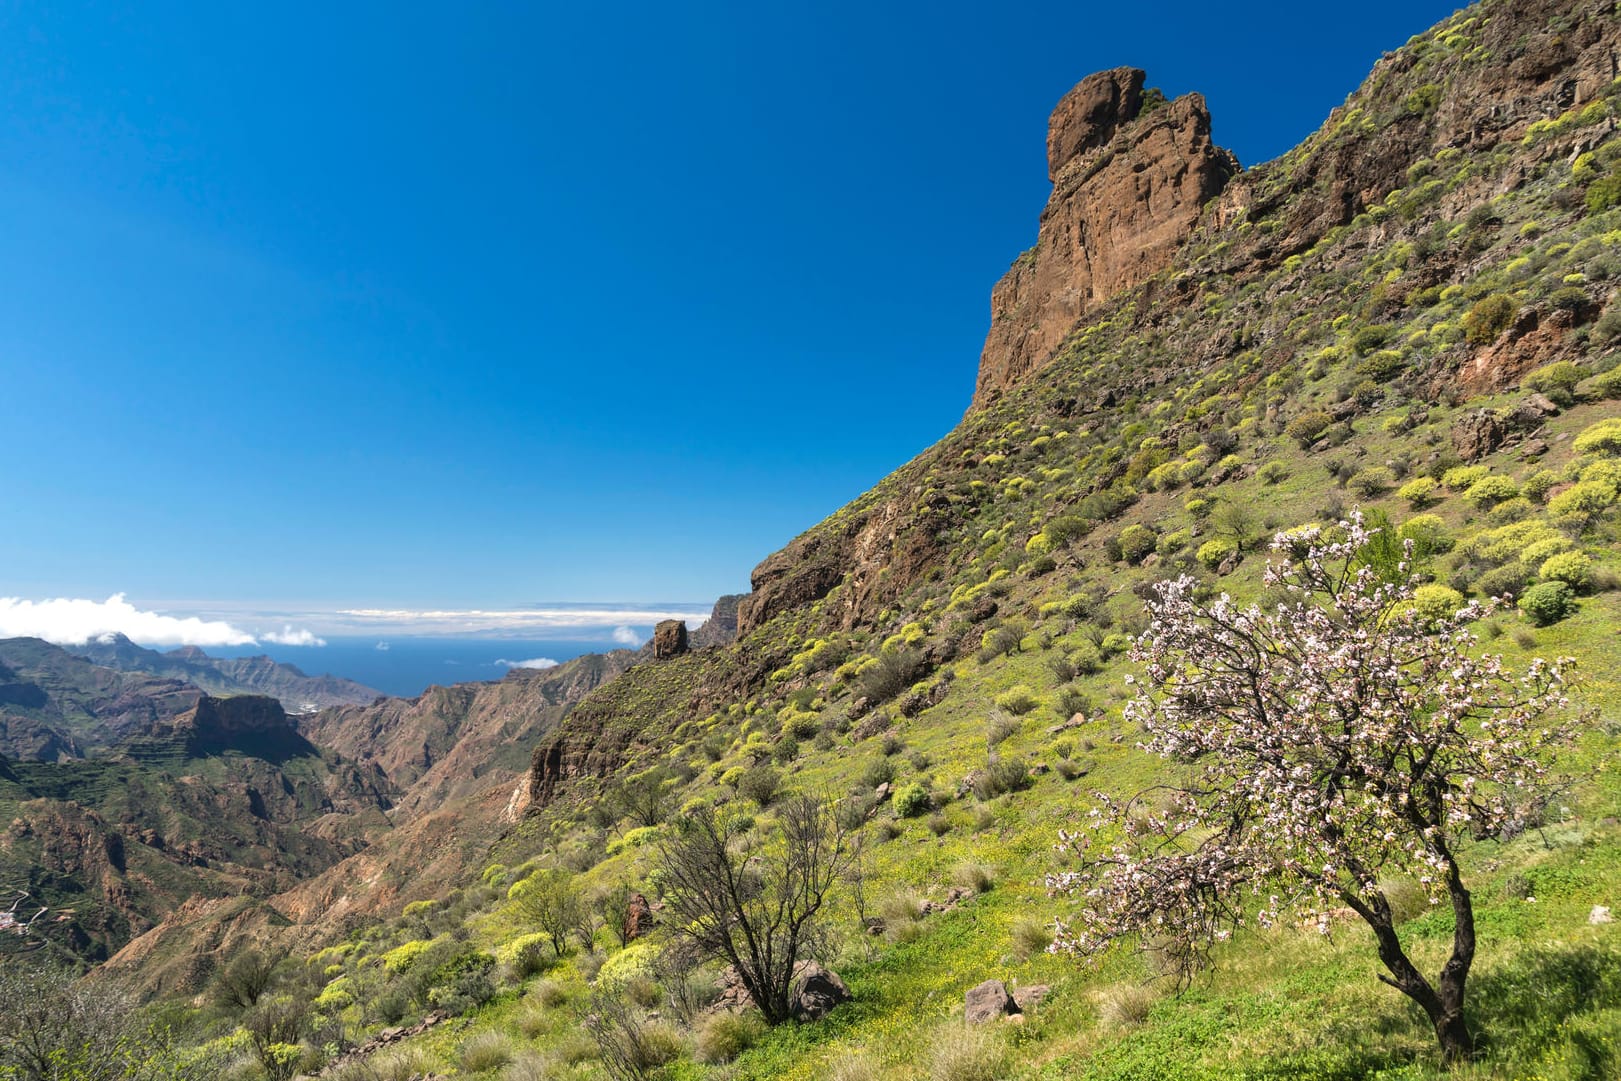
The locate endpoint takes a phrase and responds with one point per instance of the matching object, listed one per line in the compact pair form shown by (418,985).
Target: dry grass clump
(532,1066)
(1406,898)
(1031,936)
(724,1036)
(853,1066)
(1124,1005)
(484,1051)
(549,993)
(978,877)
(400,1064)
(967,1053)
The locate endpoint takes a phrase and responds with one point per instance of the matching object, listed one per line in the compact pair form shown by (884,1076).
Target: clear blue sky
(485,304)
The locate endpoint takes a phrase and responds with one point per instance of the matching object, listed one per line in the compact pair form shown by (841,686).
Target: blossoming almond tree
(1322,746)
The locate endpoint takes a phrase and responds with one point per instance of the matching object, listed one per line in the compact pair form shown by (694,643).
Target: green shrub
(1419,492)
(1548,603)
(1428,534)
(1557,380)
(1572,568)
(1582,503)
(1539,484)
(1489,491)
(1216,551)
(1436,603)
(759,784)
(1459,478)
(1273,472)
(1601,438)
(1382,367)
(1488,318)
(1305,428)
(1017,700)
(1136,542)
(1505,581)
(1604,193)
(1373,481)
(911,800)
(1369,338)
(1002,775)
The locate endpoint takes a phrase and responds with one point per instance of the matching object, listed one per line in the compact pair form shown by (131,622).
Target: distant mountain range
(297,692)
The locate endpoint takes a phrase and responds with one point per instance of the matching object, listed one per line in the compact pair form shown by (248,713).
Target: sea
(406,666)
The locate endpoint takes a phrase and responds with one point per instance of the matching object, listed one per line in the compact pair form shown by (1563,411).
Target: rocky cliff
(1131,173)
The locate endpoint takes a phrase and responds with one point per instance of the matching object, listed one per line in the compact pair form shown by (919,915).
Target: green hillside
(1412,316)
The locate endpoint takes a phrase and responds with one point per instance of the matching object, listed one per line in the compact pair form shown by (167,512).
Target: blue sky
(317,306)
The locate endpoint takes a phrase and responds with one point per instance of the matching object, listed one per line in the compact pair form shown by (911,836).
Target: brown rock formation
(669,639)
(1128,186)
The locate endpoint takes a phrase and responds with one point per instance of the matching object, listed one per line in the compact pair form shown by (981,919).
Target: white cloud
(626,636)
(504,622)
(73,622)
(536,662)
(293,636)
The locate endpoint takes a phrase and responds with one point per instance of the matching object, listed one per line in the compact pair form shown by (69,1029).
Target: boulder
(1028,998)
(669,639)
(987,1002)
(817,990)
(638,918)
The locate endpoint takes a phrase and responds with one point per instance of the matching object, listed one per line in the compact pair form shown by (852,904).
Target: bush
(1382,367)
(1488,318)
(1557,380)
(893,672)
(1136,542)
(1437,602)
(1582,503)
(1548,603)
(1419,492)
(759,784)
(1459,478)
(1489,491)
(1428,534)
(1213,553)
(1369,338)
(1539,484)
(1572,568)
(1373,482)
(911,800)
(1002,775)
(1305,428)
(1601,438)
(1273,473)
(1505,581)
(1017,700)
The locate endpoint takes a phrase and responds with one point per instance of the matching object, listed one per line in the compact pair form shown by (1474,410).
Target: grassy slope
(1246,348)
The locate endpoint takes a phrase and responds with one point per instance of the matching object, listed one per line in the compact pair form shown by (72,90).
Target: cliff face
(1130,175)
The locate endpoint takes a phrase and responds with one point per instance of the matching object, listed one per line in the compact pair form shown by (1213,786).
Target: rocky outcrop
(669,639)
(1130,175)
(987,1002)
(720,629)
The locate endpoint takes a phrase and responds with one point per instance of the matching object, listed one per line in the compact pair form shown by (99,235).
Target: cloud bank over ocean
(75,621)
